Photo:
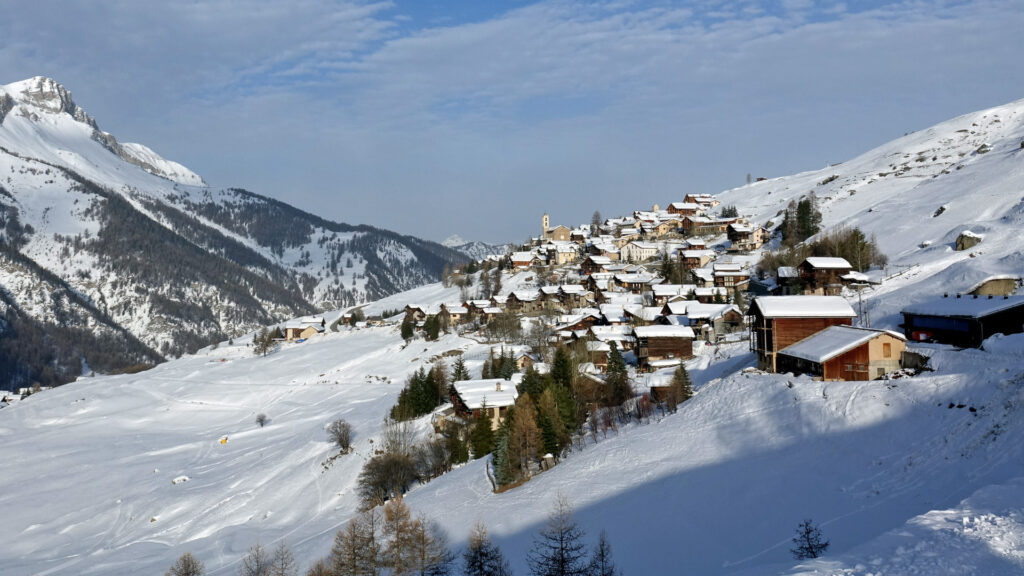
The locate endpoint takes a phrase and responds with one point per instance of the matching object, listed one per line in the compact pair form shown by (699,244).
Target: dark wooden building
(963,321)
(655,343)
(780,321)
(823,272)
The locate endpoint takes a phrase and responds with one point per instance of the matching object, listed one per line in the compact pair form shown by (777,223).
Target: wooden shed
(963,321)
(844,353)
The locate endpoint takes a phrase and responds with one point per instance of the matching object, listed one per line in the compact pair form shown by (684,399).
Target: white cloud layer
(363,114)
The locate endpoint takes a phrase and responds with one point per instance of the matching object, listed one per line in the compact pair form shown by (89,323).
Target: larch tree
(187,565)
(601,562)
(483,557)
(558,548)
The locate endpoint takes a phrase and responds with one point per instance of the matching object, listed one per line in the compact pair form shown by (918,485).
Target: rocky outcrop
(967,240)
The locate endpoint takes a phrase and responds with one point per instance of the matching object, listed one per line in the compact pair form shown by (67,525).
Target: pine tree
(187,565)
(616,377)
(809,541)
(408,327)
(503,473)
(432,327)
(681,380)
(561,367)
(601,562)
(482,557)
(459,370)
(482,436)
(558,549)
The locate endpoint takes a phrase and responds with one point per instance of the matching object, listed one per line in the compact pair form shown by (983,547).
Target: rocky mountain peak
(48,95)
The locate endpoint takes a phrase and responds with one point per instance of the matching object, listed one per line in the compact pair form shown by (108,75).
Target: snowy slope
(916,194)
(714,489)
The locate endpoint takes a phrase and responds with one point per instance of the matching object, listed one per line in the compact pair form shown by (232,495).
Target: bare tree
(601,563)
(340,432)
(319,568)
(283,562)
(256,563)
(187,565)
(357,548)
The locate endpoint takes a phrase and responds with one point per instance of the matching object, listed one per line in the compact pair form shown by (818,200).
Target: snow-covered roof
(493,391)
(827,262)
(788,272)
(804,307)
(601,260)
(663,332)
(965,306)
(833,341)
(572,289)
(523,256)
(697,253)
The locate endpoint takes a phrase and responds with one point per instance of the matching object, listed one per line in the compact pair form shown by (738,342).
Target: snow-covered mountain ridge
(175,262)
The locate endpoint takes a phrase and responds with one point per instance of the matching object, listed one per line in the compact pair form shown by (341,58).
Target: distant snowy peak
(453,241)
(144,157)
(41,97)
(475,249)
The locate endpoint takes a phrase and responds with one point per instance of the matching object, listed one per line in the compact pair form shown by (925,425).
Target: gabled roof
(803,307)
(492,392)
(833,341)
(663,332)
(964,307)
(523,256)
(823,262)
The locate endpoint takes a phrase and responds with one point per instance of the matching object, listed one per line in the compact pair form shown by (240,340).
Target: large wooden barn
(780,321)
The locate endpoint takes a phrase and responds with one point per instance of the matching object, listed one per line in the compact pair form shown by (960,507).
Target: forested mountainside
(166,262)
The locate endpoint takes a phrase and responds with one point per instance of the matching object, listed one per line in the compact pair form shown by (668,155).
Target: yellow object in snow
(224,440)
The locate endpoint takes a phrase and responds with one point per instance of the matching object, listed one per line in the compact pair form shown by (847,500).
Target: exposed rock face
(6,104)
(967,240)
(46,94)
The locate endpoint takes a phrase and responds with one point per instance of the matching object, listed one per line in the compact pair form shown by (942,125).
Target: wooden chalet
(303,328)
(574,296)
(657,344)
(780,321)
(636,283)
(495,395)
(692,259)
(964,321)
(844,353)
(455,312)
(685,208)
(598,352)
(730,276)
(705,200)
(523,302)
(524,259)
(823,273)
(416,312)
(744,236)
(595,265)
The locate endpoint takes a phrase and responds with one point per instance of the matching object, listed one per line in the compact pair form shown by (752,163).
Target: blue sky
(474,117)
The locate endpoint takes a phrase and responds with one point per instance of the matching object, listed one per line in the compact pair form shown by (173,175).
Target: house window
(887,350)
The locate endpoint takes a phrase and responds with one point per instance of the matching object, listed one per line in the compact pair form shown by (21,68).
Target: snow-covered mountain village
(813,374)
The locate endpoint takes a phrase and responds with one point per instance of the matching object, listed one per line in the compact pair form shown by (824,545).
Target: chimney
(497,386)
